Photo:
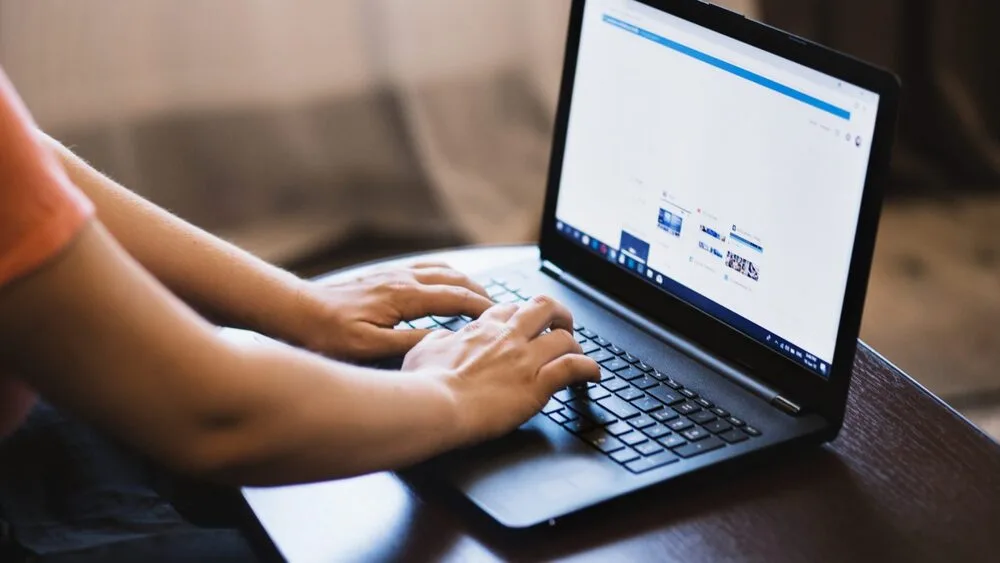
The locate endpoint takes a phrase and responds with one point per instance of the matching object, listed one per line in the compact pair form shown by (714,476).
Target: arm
(351,320)
(94,333)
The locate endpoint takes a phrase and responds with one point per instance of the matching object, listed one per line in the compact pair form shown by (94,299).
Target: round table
(908,479)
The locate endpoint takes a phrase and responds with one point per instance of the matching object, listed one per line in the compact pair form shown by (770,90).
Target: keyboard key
(656,431)
(561,419)
(565,396)
(579,426)
(720,412)
(624,456)
(734,436)
(688,393)
(649,448)
(569,414)
(606,375)
(619,428)
(425,323)
(620,408)
(598,393)
(495,291)
(577,327)
(695,434)
(633,438)
(602,342)
(735,422)
(456,324)
(506,298)
(698,448)
(600,356)
(665,395)
(615,385)
(630,394)
(615,350)
(580,338)
(650,463)
(647,404)
(552,406)
(589,347)
(665,415)
(701,417)
(751,431)
(659,375)
(615,364)
(680,425)
(603,441)
(672,441)
(705,403)
(643,366)
(718,426)
(588,333)
(641,422)
(673,384)
(687,408)
(630,374)
(593,412)
(629,358)
(645,382)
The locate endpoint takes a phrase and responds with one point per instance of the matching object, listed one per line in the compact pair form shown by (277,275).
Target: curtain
(945,51)
(303,120)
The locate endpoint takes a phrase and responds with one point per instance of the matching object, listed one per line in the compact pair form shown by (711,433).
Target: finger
(567,371)
(428,264)
(418,301)
(540,313)
(554,345)
(500,313)
(447,276)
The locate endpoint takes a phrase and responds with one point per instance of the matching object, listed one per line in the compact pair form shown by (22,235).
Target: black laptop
(712,207)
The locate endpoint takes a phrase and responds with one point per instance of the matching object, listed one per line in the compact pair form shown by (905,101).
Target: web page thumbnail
(671,222)
(742,265)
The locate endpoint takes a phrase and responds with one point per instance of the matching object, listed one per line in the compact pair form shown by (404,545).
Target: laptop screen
(725,175)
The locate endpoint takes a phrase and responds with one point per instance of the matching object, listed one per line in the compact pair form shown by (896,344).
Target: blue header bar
(731,68)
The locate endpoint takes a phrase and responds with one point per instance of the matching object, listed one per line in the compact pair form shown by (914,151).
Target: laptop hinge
(787,406)
(726,369)
(552,269)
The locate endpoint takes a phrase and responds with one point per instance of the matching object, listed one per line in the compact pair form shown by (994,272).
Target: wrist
(454,423)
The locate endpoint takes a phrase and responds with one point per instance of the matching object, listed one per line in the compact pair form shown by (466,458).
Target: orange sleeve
(41,210)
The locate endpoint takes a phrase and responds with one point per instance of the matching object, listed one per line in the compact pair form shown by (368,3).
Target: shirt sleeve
(41,211)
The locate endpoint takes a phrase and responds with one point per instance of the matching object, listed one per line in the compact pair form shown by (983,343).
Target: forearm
(216,278)
(96,335)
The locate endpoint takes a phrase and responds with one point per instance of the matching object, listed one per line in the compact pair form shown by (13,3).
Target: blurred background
(320,133)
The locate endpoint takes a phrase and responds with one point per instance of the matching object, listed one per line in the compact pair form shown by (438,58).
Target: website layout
(727,175)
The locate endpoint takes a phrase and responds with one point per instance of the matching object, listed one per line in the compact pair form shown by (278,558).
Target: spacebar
(618,407)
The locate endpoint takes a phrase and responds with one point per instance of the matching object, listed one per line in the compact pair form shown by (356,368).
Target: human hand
(356,319)
(502,368)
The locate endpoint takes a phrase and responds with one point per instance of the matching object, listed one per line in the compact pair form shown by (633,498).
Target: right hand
(502,368)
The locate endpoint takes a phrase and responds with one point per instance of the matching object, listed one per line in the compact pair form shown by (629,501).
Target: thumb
(568,370)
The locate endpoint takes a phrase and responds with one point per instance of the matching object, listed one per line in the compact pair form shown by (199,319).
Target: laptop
(712,206)
(711,212)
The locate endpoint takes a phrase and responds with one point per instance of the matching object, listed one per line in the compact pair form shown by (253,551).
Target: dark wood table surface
(907,480)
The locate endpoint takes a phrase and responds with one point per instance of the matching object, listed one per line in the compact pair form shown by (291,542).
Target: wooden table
(907,480)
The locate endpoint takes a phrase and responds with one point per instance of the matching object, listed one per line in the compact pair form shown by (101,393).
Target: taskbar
(636,266)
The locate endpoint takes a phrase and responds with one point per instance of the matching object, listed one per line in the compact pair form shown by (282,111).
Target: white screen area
(743,172)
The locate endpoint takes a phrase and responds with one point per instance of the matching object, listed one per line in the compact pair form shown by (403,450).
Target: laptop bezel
(826,396)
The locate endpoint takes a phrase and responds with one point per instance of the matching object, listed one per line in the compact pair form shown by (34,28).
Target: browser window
(723,174)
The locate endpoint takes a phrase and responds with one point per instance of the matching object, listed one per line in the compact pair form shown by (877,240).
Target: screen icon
(559,226)
(857,141)
(649,274)
(613,254)
(586,239)
(822,368)
(768,337)
(621,259)
(659,279)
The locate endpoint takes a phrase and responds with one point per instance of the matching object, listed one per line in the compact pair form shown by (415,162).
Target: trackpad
(538,471)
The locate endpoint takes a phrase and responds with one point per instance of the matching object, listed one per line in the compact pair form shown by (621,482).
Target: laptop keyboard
(637,415)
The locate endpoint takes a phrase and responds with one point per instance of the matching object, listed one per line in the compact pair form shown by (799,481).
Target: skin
(113,330)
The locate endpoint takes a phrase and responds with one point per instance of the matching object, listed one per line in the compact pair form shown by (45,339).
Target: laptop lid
(725,179)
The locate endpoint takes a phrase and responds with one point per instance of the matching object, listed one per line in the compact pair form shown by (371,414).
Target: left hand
(356,319)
